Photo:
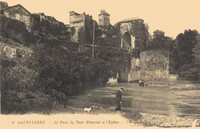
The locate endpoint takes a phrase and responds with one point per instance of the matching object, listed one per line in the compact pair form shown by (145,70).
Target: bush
(51,74)
(15,30)
(19,102)
(188,72)
(19,93)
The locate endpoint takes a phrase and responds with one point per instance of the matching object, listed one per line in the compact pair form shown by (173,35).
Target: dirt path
(181,100)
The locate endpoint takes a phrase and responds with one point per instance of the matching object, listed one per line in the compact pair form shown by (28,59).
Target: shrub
(19,102)
(15,30)
(188,72)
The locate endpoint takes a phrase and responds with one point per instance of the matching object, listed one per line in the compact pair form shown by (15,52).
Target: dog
(87,109)
(141,83)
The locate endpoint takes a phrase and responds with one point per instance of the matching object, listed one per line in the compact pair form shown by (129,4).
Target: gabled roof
(103,12)
(16,6)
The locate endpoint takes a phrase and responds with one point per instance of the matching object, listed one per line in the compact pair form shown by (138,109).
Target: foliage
(69,72)
(15,30)
(18,91)
(185,55)
(185,42)
(140,31)
(20,102)
(159,41)
(108,41)
(49,26)
(18,75)
(188,72)
(108,31)
(196,55)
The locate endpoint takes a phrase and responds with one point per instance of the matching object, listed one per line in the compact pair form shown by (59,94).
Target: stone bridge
(127,36)
(132,36)
(151,66)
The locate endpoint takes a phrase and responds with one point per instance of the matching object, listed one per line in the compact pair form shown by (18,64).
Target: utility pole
(93,39)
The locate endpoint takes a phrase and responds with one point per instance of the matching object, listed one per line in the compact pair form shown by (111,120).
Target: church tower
(104,19)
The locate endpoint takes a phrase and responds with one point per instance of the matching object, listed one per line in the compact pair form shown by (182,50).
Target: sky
(170,16)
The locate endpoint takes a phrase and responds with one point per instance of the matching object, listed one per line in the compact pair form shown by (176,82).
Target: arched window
(126,44)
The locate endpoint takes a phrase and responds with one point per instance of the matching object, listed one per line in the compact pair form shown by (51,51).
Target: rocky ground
(166,121)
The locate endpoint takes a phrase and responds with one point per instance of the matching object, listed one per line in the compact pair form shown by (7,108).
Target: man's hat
(122,89)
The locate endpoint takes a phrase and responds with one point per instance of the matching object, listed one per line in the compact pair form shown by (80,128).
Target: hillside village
(44,61)
(33,21)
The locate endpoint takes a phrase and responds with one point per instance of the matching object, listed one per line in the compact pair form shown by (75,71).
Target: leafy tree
(185,42)
(15,30)
(18,91)
(70,72)
(196,55)
(183,53)
(42,28)
(159,41)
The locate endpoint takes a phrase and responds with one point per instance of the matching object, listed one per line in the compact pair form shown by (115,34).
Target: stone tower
(104,18)
(81,26)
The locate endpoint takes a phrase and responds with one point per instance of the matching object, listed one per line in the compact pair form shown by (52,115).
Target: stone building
(18,12)
(81,27)
(133,35)
(104,25)
(104,18)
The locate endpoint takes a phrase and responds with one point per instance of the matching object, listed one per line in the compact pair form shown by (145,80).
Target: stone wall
(77,27)
(134,73)
(154,67)
(104,20)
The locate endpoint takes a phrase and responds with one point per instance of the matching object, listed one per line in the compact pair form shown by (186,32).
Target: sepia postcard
(76,64)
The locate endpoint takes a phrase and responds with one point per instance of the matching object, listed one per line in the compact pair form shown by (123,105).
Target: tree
(159,41)
(185,42)
(196,55)
(185,55)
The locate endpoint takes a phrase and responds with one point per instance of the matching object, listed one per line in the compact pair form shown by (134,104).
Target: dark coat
(118,96)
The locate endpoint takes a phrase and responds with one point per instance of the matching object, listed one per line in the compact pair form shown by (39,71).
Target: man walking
(119,99)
